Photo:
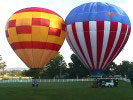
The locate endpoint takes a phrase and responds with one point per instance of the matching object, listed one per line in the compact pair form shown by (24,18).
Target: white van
(109,83)
(106,82)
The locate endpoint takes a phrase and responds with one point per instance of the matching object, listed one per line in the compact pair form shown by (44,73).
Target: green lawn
(64,91)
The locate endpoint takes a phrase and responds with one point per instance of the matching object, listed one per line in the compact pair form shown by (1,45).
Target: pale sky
(62,7)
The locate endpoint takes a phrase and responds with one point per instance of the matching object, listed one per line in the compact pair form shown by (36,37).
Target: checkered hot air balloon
(97,32)
(36,35)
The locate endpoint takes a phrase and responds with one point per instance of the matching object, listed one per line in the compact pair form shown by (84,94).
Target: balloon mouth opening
(97,73)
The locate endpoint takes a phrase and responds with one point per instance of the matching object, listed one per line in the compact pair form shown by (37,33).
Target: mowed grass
(64,91)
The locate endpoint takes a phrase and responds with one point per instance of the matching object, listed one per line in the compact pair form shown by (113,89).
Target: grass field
(64,91)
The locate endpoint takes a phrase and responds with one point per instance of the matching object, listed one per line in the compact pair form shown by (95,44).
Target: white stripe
(80,34)
(105,40)
(68,41)
(120,46)
(71,36)
(115,42)
(93,39)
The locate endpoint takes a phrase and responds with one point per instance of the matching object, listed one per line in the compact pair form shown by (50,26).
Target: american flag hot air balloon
(97,32)
(36,35)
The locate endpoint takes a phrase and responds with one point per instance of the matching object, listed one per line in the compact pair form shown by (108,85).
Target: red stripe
(120,40)
(35,45)
(54,31)
(40,21)
(64,27)
(74,50)
(87,40)
(24,29)
(100,35)
(12,23)
(77,41)
(110,60)
(56,47)
(112,36)
(35,9)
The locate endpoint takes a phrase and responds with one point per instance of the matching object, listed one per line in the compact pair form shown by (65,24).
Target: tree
(124,67)
(130,73)
(111,69)
(2,65)
(14,72)
(32,72)
(55,68)
(76,68)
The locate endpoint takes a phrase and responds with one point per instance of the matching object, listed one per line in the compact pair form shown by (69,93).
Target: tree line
(57,68)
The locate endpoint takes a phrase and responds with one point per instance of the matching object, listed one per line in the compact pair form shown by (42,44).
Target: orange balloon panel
(36,35)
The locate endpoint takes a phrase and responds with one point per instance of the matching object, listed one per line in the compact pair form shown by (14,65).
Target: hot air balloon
(36,35)
(97,32)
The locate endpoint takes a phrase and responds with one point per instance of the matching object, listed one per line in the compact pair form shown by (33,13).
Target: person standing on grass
(131,81)
(35,83)
(130,76)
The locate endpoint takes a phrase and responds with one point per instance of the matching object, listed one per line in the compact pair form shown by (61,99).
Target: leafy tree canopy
(56,67)
(76,68)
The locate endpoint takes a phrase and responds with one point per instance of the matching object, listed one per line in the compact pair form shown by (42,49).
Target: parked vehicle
(106,82)
(109,83)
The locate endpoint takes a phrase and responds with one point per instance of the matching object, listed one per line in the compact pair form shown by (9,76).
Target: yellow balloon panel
(36,58)
(20,53)
(48,55)
(42,31)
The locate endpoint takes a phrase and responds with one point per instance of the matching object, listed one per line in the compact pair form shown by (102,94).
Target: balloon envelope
(97,32)
(35,34)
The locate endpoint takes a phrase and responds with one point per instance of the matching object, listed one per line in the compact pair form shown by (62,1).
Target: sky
(62,7)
